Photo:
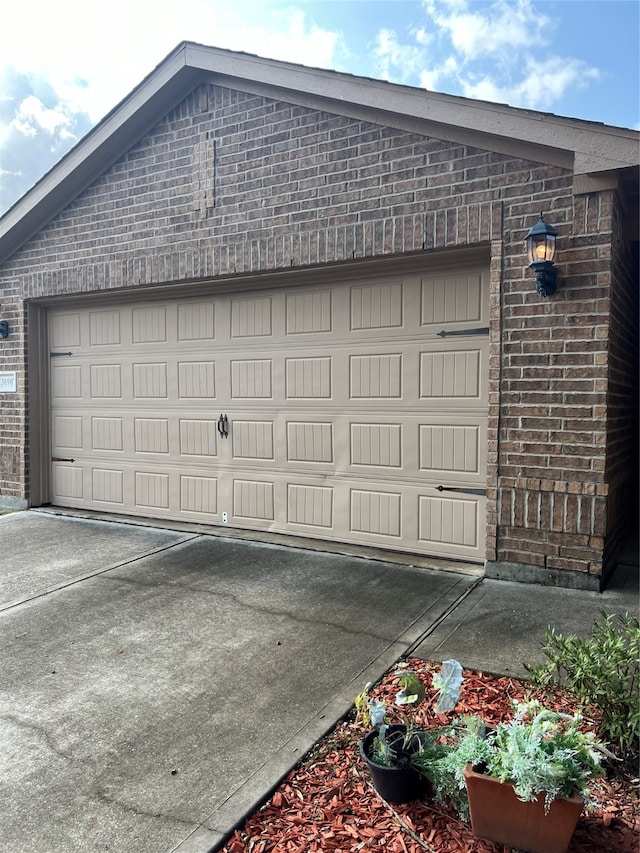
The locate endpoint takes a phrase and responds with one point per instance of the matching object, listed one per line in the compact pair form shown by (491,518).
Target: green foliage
(382,750)
(602,671)
(538,751)
(369,711)
(413,691)
(392,748)
(541,751)
(398,748)
(361,704)
(463,742)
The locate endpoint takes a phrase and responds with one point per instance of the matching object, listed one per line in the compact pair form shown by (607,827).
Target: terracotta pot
(498,815)
(395,784)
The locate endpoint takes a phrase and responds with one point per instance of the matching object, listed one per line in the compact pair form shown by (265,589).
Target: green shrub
(603,672)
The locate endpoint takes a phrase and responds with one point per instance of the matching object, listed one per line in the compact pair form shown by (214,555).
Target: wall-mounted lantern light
(4,329)
(541,248)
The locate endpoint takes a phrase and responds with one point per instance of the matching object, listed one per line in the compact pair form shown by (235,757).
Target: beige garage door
(353,412)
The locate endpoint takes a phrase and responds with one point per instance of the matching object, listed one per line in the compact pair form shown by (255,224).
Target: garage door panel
(452,299)
(66,382)
(199,496)
(454,375)
(309,442)
(151,490)
(107,486)
(309,313)
(196,380)
(310,506)
(107,433)
(198,437)
(151,435)
(347,410)
(376,512)
(149,324)
(104,329)
(68,432)
(450,448)
(251,379)
(449,522)
(253,440)
(251,317)
(308,378)
(149,381)
(196,321)
(65,330)
(375,376)
(68,484)
(105,381)
(375,444)
(377,306)
(253,500)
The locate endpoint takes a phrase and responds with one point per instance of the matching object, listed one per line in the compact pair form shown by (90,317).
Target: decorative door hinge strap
(58,354)
(61,459)
(464,491)
(483,331)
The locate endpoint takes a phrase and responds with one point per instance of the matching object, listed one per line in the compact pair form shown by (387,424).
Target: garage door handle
(223,426)
(445,334)
(463,491)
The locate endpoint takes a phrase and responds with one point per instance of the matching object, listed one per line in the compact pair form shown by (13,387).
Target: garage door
(354,411)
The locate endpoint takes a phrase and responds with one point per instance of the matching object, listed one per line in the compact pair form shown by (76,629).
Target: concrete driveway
(155,684)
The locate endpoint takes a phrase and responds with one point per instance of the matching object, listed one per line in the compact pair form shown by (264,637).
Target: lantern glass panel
(541,248)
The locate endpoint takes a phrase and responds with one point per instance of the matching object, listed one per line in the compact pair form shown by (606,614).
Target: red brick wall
(553,415)
(253,184)
(231,183)
(12,406)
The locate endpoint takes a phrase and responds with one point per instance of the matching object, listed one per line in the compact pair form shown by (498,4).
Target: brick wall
(250,184)
(622,360)
(13,405)
(552,502)
(231,183)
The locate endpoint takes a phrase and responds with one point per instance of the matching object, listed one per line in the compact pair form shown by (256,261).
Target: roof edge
(586,147)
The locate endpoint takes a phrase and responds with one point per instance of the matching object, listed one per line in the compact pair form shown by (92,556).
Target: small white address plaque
(8,382)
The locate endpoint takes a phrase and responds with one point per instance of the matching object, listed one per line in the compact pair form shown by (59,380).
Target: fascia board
(594,147)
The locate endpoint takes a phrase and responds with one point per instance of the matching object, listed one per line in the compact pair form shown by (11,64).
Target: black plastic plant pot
(394,784)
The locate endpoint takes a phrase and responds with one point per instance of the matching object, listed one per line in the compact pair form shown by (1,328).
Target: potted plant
(526,781)
(397,753)
(463,742)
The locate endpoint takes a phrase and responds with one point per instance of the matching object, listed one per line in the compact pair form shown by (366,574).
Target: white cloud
(456,37)
(296,40)
(94,54)
(395,61)
(67,63)
(502,27)
(435,79)
(422,36)
(493,51)
(548,80)
(32,116)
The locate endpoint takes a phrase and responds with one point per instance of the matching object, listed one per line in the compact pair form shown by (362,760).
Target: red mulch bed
(328,804)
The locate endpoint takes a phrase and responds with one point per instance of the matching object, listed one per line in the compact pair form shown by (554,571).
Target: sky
(64,64)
